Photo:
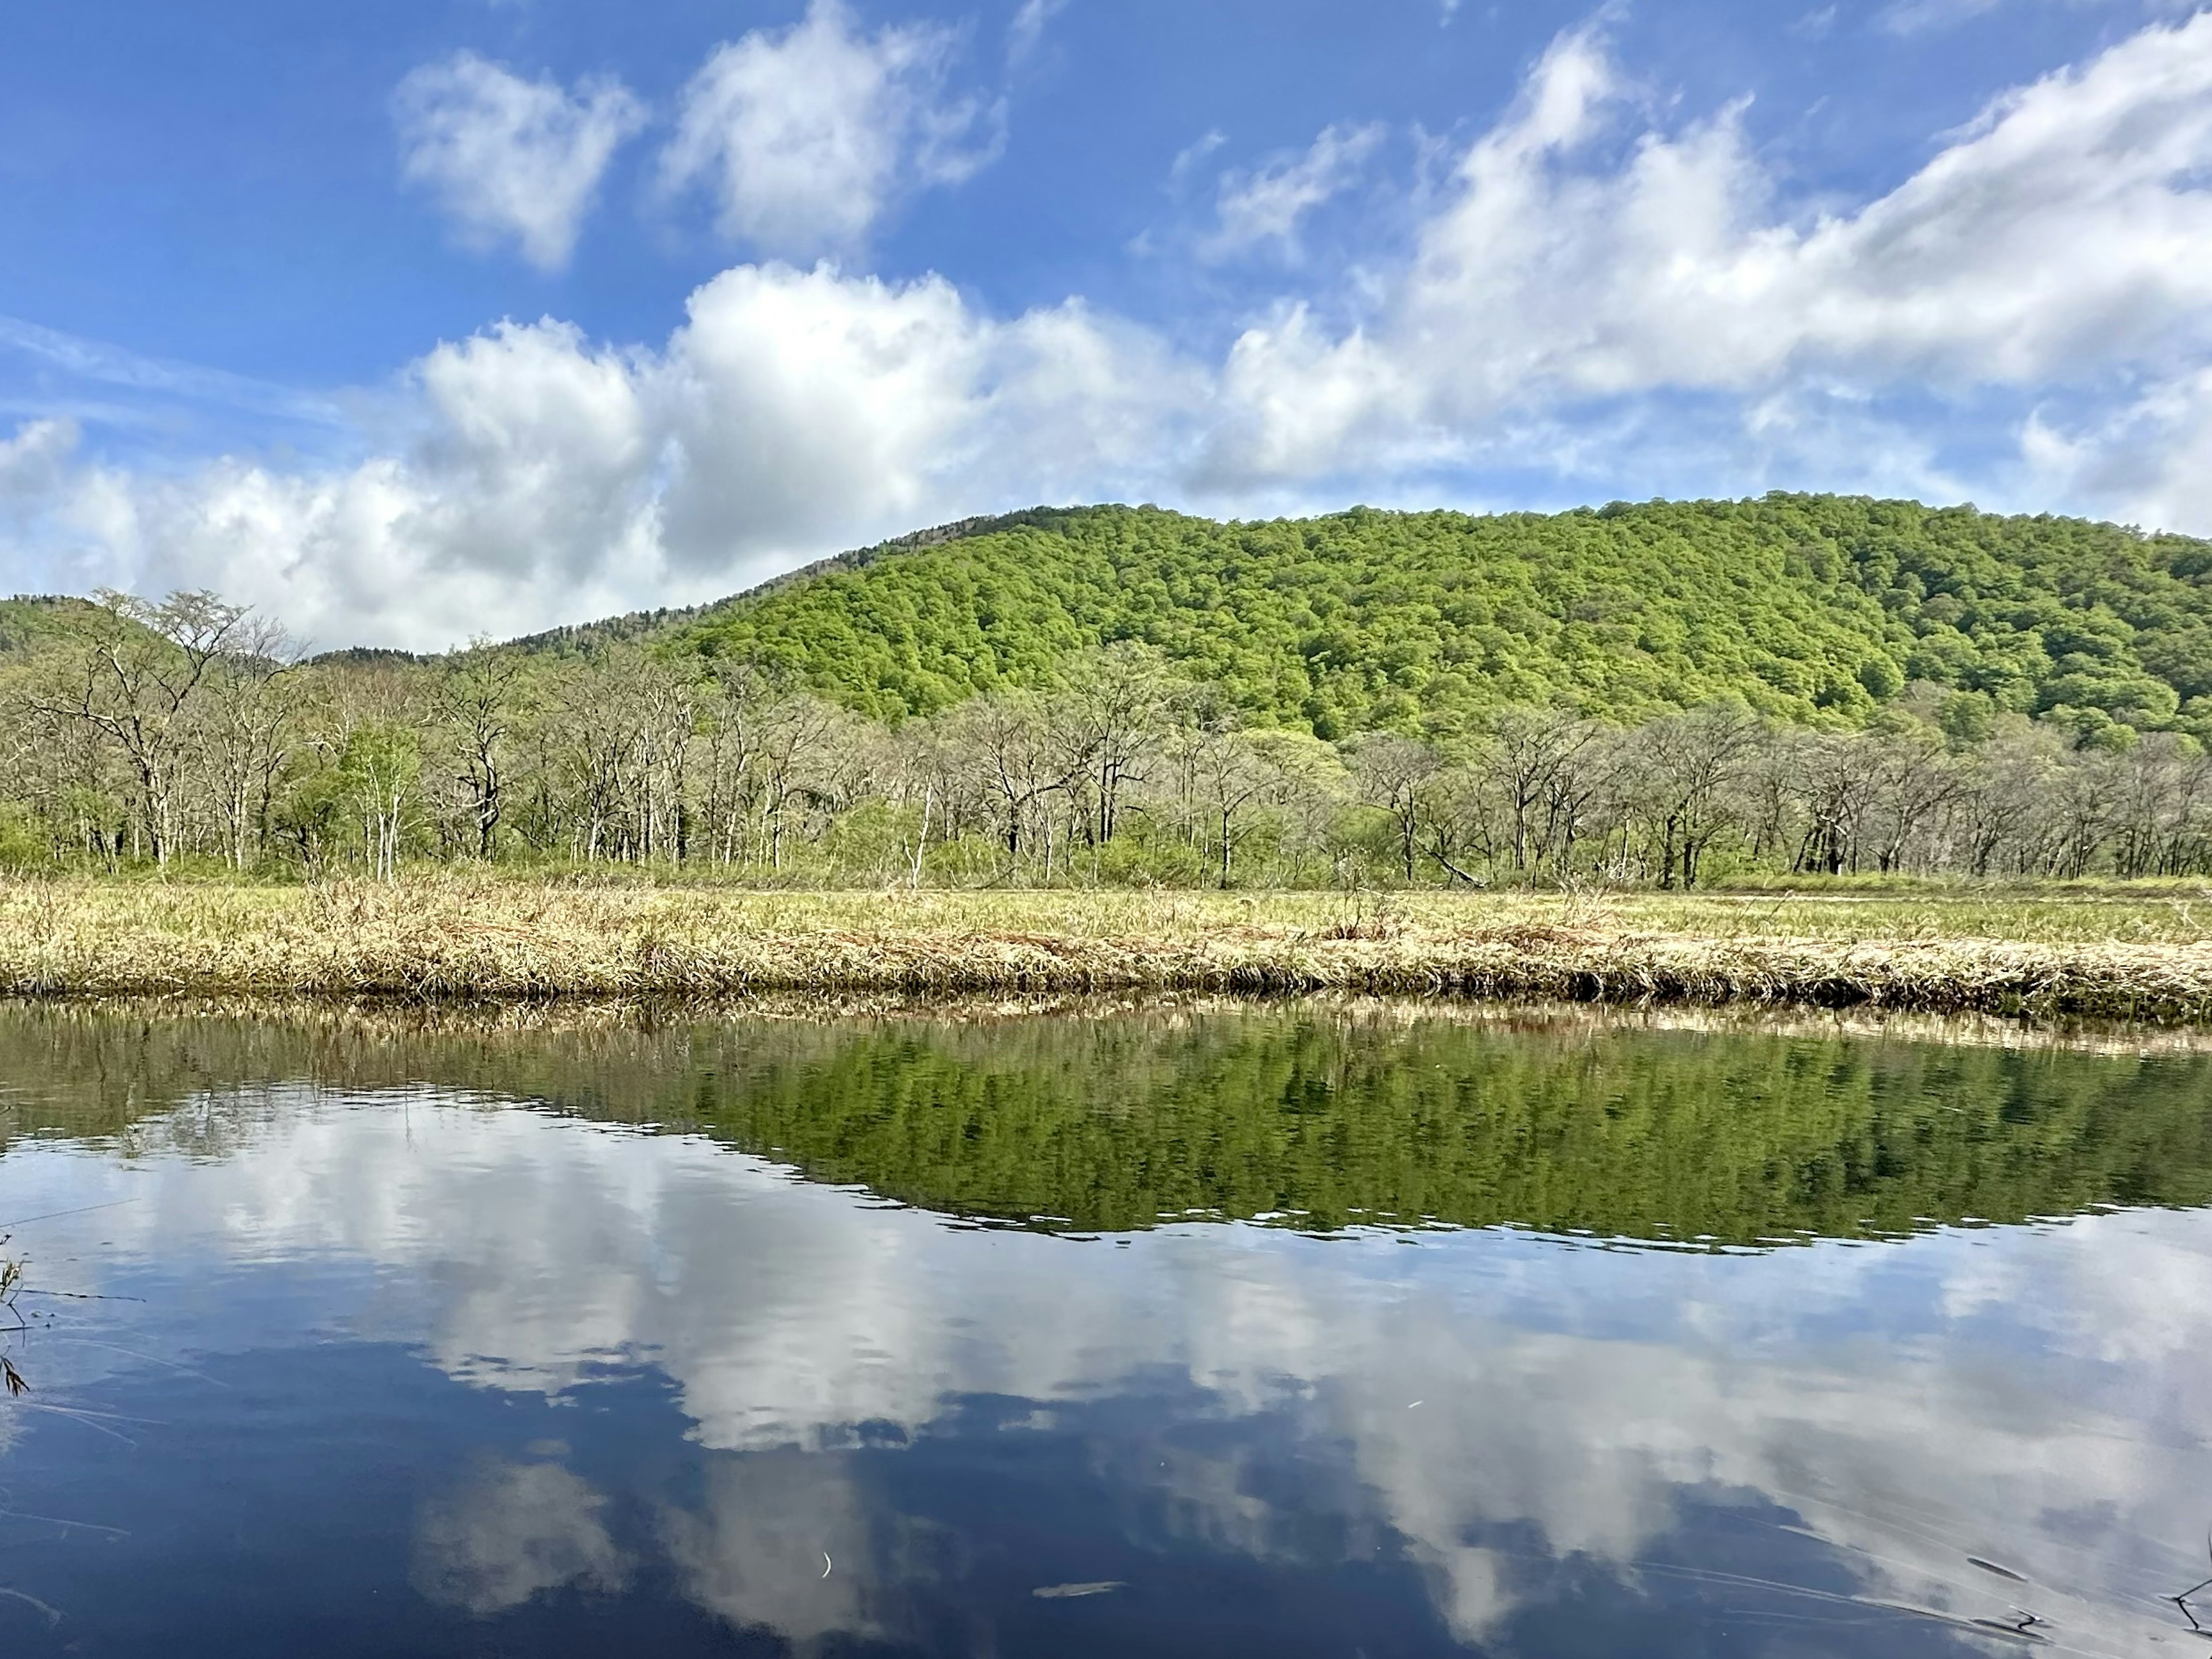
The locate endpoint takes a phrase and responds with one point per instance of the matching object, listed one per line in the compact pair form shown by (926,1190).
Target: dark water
(1292,1330)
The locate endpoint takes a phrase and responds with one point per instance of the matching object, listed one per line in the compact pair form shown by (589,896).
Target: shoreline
(502,1019)
(489,939)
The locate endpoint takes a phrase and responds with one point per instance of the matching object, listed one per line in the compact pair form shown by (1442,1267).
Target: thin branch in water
(141,1358)
(56,1215)
(65,1523)
(91,1419)
(53,1614)
(83,1295)
(2182,1599)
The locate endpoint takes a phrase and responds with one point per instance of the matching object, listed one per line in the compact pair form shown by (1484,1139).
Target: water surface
(1303,1329)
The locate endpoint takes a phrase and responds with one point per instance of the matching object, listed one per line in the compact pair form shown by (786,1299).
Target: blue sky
(444,317)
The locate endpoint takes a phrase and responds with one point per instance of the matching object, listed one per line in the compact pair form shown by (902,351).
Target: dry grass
(2125,956)
(498,1021)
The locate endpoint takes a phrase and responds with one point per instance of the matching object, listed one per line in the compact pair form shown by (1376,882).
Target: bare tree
(155,730)
(1117,700)
(476,706)
(1912,781)
(137,677)
(242,732)
(1018,758)
(1691,760)
(2001,785)
(795,730)
(1529,755)
(1393,773)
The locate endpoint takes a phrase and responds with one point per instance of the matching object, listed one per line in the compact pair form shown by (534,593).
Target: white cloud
(2151,460)
(1909,17)
(96,375)
(807,135)
(800,401)
(1264,205)
(512,1531)
(547,477)
(511,158)
(1619,306)
(748,1554)
(2064,233)
(1192,153)
(1916,16)
(33,463)
(1026,33)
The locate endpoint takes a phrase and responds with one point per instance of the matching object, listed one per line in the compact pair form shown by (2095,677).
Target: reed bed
(456,937)
(524,1021)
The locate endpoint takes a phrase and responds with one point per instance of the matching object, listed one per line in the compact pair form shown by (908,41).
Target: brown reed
(454,937)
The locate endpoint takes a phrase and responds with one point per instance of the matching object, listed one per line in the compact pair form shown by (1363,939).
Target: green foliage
(1812,609)
(24,844)
(1730,1138)
(1096,1121)
(29,624)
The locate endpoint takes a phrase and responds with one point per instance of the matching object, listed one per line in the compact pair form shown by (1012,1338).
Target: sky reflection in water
(418,1368)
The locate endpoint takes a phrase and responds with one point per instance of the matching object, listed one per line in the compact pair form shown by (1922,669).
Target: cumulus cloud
(31,462)
(749,1553)
(547,475)
(800,399)
(507,158)
(1266,204)
(2048,239)
(1594,295)
(806,135)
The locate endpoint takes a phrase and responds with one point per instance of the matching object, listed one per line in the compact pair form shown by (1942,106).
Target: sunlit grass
(2111,951)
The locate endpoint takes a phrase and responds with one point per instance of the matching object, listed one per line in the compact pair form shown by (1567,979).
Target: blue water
(406,1371)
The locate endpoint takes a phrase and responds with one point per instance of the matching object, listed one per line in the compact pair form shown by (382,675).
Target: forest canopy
(1814,610)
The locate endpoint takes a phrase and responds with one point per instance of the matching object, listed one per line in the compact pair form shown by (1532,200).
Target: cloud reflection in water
(1651,1432)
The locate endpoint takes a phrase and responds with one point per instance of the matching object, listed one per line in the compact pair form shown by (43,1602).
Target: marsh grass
(12,1322)
(499,1023)
(2126,955)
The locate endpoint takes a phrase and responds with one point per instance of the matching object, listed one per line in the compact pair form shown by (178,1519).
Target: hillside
(1812,608)
(30,623)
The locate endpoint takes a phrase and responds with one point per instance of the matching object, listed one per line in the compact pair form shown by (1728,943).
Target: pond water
(1316,1330)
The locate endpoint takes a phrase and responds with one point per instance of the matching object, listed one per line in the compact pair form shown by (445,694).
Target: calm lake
(1330,1330)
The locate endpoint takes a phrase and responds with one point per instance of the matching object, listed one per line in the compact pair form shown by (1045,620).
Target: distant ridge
(1810,608)
(580,636)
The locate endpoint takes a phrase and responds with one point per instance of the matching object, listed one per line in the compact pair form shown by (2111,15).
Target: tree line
(188,732)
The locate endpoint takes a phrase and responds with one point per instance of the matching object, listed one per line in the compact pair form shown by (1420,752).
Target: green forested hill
(1812,608)
(28,622)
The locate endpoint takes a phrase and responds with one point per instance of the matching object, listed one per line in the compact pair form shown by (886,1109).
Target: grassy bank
(2124,955)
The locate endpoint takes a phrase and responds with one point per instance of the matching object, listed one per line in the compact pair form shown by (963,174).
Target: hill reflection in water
(433,1334)
(1312,1115)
